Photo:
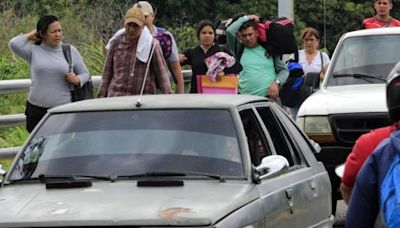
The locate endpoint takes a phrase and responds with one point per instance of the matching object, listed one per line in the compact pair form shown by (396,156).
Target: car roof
(375,31)
(171,101)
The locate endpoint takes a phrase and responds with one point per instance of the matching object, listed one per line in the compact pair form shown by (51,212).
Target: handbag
(227,85)
(78,93)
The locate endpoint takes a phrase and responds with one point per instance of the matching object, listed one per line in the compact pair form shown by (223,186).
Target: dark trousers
(33,115)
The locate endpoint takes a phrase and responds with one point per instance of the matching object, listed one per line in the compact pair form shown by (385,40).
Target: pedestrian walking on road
(133,57)
(375,197)
(195,57)
(167,42)
(51,75)
(262,73)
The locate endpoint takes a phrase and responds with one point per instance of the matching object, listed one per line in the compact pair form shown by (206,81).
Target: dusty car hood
(346,99)
(123,203)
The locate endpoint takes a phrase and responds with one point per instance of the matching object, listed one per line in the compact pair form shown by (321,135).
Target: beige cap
(145,6)
(134,15)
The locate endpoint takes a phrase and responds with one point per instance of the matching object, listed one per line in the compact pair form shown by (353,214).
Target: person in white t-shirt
(310,58)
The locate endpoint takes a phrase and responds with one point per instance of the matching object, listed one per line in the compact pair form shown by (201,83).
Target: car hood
(197,203)
(367,98)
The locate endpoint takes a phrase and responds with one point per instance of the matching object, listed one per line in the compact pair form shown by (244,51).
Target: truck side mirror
(312,80)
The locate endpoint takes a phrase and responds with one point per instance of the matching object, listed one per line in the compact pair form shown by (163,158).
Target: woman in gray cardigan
(50,74)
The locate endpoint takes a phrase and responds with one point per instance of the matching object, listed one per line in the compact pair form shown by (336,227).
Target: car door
(275,196)
(308,190)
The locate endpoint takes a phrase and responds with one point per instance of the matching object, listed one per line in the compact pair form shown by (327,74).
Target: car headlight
(316,128)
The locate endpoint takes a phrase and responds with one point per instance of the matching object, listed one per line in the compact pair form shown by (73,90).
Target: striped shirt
(118,78)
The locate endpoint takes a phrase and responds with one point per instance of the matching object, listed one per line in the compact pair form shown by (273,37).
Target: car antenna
(139,101)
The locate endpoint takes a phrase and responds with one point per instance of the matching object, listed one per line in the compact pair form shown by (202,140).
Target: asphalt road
(340,214)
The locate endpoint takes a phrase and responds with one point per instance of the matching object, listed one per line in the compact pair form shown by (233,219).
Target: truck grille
(348,127)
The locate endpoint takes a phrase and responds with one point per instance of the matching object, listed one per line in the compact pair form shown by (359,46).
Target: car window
(129,142)
(364,55)
(278,134)
(300,144)
(255,138)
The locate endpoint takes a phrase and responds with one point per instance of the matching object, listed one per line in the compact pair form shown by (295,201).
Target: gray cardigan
(49,87)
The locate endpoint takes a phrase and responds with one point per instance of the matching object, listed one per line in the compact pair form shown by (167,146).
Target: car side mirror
(312,79)
(271,165)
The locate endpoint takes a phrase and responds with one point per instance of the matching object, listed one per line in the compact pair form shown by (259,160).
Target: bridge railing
(22,86)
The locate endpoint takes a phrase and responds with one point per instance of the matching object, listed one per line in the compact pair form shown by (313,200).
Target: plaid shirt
(117,78)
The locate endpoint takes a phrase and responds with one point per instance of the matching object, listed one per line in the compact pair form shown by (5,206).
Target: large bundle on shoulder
(276,35)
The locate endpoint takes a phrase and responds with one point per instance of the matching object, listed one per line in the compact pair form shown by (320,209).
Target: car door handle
(289,196)
(289,193)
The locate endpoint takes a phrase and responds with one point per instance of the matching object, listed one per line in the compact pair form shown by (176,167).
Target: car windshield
(364,60)
(128,143)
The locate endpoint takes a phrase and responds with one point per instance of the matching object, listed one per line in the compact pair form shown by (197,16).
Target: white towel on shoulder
(118,33)
(144,45)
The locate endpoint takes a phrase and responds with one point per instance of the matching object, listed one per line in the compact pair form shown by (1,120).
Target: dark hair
(43,25)
(202,24)
(248,24)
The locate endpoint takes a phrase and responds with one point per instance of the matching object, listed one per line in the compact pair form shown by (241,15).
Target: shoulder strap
(322,60)
(296,56)
(66,48)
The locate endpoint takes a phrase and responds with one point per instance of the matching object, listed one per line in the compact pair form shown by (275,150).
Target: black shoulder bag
(78,93)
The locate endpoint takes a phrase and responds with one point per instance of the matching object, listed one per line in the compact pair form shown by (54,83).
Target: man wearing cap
(133,58)
(171,58)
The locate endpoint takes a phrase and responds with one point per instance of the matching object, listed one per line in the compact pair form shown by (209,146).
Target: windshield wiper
(25,179)
(173,174)
(44,178)
(360,75)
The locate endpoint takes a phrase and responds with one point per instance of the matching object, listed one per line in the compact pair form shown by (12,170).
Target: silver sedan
(167,161)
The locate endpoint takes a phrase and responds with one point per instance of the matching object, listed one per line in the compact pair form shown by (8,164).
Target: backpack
(165,40)
(277,36)
(390,194)
(294,91)
(291,92)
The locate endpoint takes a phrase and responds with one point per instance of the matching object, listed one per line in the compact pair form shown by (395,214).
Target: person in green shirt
(262,73)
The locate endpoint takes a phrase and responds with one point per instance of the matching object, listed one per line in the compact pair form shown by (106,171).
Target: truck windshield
(364,60)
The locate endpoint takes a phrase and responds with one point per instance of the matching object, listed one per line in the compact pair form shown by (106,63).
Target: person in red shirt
(363,147)
(382,17)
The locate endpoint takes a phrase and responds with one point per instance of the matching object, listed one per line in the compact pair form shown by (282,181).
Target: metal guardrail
(21,86)
(9,153)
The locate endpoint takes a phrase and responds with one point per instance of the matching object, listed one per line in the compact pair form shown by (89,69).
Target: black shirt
(195,58)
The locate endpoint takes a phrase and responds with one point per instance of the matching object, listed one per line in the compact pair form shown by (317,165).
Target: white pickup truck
(351,99)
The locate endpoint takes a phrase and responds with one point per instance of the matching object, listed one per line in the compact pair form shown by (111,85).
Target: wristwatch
(277,81)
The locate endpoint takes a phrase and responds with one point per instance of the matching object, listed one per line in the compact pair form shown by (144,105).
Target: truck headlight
(316,128)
